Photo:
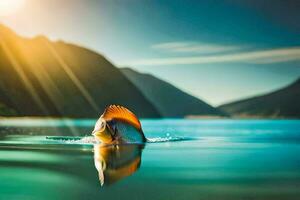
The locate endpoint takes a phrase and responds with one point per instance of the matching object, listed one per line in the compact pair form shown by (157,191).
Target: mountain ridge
(33,71)
(168,99)
(281,103)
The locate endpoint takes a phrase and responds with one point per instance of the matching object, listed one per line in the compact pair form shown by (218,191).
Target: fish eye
(103,124)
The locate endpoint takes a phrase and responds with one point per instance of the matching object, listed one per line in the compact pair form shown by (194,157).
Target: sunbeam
(73,77)
(23,77)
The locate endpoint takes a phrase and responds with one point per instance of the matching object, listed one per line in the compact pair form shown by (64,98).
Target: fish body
(118,125)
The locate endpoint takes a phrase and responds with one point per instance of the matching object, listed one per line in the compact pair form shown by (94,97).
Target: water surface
(186,159)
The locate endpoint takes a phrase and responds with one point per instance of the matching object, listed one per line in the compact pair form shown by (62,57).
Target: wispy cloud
(194,47)
(275,55)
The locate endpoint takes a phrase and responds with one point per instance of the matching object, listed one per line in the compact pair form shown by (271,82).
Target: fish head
(107,127)
(103,132)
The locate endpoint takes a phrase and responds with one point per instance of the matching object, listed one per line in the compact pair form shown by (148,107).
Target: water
(186,159)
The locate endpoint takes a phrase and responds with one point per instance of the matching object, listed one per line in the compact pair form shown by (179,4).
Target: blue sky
(218,51)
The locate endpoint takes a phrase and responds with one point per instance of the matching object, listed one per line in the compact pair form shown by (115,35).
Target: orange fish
(118,125)
(115,162)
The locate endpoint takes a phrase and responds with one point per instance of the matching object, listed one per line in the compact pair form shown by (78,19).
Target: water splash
(167,139)
(91,139)
(72,140)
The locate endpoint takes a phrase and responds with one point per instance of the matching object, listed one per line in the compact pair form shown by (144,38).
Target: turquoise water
(185,159)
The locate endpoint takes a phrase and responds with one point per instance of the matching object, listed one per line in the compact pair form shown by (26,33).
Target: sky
(219,51)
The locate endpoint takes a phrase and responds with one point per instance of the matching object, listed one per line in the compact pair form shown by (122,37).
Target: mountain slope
(169,100)
(281,103)
(39,77)
(6,111)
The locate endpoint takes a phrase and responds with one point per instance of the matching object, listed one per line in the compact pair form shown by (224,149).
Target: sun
(8,7)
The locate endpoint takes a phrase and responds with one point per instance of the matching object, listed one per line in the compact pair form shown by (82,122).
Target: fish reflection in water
(115,162)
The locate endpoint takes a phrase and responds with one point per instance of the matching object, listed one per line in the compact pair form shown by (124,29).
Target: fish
(118,125)
(116,162)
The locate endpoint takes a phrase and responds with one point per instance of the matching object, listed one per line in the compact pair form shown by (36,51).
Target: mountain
(5,110)
(283,103)
(169,100)
(39,77)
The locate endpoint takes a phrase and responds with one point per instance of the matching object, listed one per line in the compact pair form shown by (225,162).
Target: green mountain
(283,103)
(169,100)
(6,111)
(39,77)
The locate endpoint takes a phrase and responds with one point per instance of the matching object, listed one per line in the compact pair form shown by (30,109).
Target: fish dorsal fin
(121,113)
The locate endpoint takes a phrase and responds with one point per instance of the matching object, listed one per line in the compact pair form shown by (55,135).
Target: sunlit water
(185,159)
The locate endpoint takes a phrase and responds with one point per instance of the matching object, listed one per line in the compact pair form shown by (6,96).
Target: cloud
(194,47)
(276,55)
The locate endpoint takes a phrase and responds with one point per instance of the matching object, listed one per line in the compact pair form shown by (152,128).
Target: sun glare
(8,7)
